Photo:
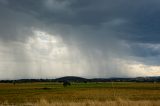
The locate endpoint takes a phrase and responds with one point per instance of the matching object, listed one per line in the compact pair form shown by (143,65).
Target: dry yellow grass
(80,94)
(118,102)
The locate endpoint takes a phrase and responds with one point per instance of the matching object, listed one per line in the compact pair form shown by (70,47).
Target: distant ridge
(85,80)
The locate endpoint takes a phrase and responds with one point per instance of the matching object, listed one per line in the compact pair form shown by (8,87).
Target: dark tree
(66,83)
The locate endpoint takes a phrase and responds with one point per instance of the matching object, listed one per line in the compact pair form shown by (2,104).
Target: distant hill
(71,79)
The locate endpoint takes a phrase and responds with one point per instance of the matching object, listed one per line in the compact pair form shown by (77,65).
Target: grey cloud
(101,30)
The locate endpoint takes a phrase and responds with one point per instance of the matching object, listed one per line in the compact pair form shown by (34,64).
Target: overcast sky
(88,38)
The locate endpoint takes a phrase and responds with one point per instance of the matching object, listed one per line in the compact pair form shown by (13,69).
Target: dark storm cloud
(16,22)
(100,29)
(142,16)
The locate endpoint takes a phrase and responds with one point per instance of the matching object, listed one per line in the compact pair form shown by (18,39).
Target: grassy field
(90,93)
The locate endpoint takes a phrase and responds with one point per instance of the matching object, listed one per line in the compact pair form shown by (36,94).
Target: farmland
(54,92)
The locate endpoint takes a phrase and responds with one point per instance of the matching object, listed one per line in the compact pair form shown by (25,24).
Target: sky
(87,38)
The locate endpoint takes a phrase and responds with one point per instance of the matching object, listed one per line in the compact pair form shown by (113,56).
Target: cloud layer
(89,38)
